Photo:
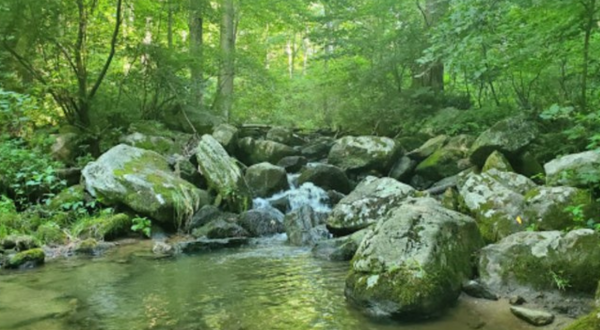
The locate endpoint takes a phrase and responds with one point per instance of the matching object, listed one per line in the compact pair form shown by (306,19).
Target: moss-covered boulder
(588,322)
(154,136)
(326,176)
(318,148)
(50,233)
(559,208)
(509,136)
(446,161)
(19,242)
(576,170)
(223,174)
(367,204)
(253,151)
(266,179)
(262,222)
(428,148)
(412,265)
(529,262)
(285,136)
(103,226)
(221,229)
(227,135)
(25,259)
(497,161)
(496,200)
(363,153)
(142,180)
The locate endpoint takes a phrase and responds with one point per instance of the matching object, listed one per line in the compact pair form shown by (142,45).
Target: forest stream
(266,285)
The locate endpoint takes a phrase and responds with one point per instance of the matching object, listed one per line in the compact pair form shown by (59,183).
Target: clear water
(264,286)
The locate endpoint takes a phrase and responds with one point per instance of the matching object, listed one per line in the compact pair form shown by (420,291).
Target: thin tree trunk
(224,99)
(196,53)
(170,24)
(590,9)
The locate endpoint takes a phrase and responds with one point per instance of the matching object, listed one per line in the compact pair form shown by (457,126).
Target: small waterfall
(296,197)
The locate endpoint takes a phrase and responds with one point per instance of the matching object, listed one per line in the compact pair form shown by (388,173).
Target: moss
(51,232)
(68,197)
(588,322)
(103,226)
(35,256)
(87,246)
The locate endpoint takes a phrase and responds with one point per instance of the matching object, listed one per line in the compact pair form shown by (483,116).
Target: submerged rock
(143,181)
(363,153)
(509,136)
(328,177)
(223,174)
(574,170)
(368,203)
(412,265)
(531,316)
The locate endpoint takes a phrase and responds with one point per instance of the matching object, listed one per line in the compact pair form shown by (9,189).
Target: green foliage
(142,225)
(560,281)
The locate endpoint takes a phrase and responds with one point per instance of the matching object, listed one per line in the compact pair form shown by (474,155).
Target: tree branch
(113,46)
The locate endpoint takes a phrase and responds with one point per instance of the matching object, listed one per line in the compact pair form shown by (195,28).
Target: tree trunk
(224,100)
(590,12)
(196,53)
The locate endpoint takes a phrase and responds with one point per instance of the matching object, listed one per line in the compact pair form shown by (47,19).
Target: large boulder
(266,179)
(340,249)
(428,148)
(577,170)
(285,136)
(142,180)
(223,174)
(25,259)
(496,199)
(559,208)
(529,262)
(446,161)
(326,176)
(303,226)
(262,222)
(412,265)
(253,151)
(318,148)
(220,229)
(403,168)
(363,153)
(293,164)
(368,203)
(227,135)
(154,136)
(509,136)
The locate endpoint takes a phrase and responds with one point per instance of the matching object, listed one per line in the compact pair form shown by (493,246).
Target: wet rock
(509,136)
(528,262)
(227,136)
(299,225)
(266,179)
(531,316)
(219,229)
(66,146)
(363,153)
(262,222)
(293,164)
(205,215)
(368,203)
(335,197)
(285,136)
(573,170)
(205,244)
(477,290)
(258,151)
(223,174)
(497,161)
(162,248)
(413,263)
(339,249)
(318,149)
(143,181)
(516,300)
(328,177)
(25,259)
(403,169)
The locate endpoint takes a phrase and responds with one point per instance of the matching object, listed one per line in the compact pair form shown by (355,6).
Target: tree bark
(196,52)
(590,13)
(224,100)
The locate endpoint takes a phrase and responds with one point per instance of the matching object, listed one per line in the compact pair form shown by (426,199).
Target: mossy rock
(588,322)
(67,198)
(574,170)
(29,258)
(87,246)
(363,153)
(51,233)
(497,161)
(104,227)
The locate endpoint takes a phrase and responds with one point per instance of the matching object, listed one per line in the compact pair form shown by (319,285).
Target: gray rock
(266,179)
(318,149)
(19,242)
(66,147)
(509,136)
(285,136)
(516,300)
(258,151)
(363,153)
(328,177)
(413,263)
(262,222)
(208,214)
(205,244)
(527,262)
(477,290)
(403,168)
(227,136)
(223,174)
(368,203)
(428,148)
(293,164)
(143,181)
(219,229)
(299,226)
(531,316)
(573,170)
(339,249)
(446,161)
